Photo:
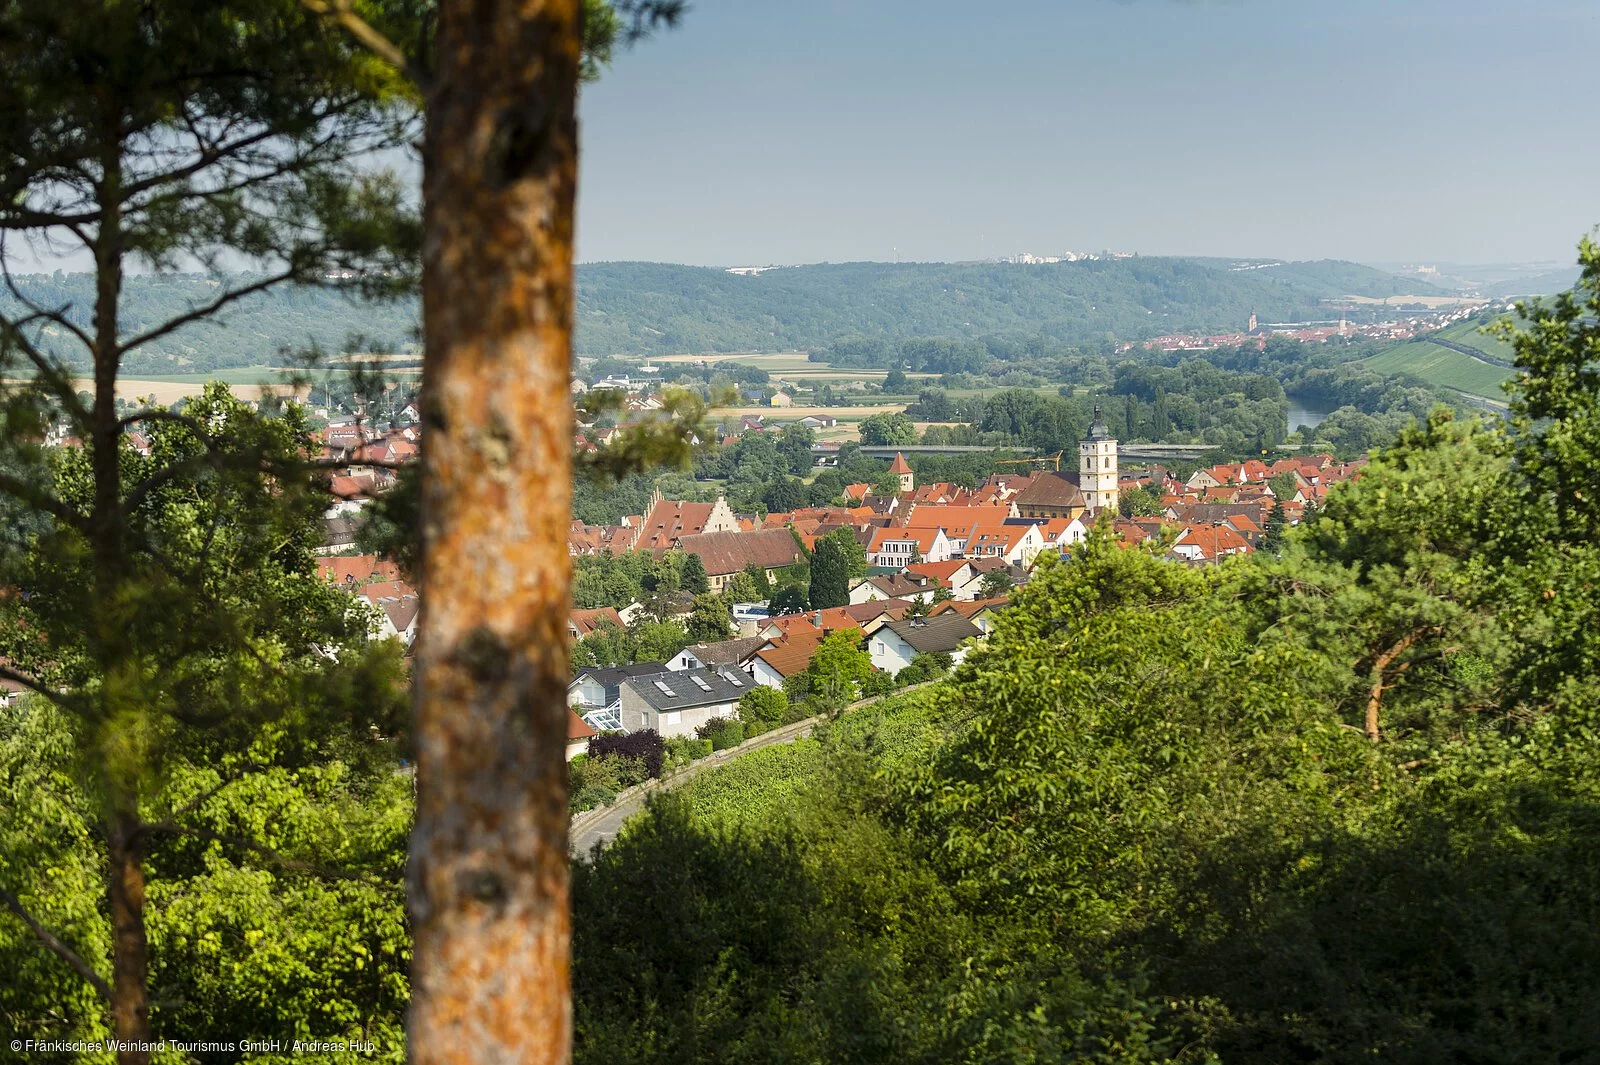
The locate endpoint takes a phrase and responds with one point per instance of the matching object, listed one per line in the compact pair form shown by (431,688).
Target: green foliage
(646,640)
(831,565)
(790,599)
(762,707)
(924,667)
(722,732)
(888,430)
(709,621)
(694,576)
(943,318)
(1277,526)
(1144,501)
(838,670)
(247,931)
(996,582)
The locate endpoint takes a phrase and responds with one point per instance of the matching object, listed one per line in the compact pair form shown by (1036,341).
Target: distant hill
(658,309)
(1327,277)
(655,308)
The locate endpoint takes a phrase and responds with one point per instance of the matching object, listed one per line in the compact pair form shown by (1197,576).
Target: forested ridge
(660,308)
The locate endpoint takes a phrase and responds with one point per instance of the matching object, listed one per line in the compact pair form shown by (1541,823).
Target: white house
(914,587)
(675,704)
(894,645)
(722,653)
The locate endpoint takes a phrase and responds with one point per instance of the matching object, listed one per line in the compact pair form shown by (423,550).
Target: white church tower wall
(1097,467)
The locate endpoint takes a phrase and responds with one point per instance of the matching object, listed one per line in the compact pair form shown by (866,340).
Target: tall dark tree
(1272,536)
(163,136)
(830,572)
(694,577)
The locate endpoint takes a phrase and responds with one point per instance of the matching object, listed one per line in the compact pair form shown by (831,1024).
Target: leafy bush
(647,746)
(762,708)
(681,750)
(723,732)
(877,683)
(610,772)
(591,796)
(924,667)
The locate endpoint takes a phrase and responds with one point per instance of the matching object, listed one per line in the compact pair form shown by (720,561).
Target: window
(662,687)
(700,682)
(670,719)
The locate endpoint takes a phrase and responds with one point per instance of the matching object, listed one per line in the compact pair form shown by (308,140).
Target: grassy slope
(1447,368)
(1442,367)
(758,788)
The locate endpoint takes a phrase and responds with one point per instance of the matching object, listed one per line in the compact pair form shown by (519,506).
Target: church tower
(1097,467)
(902,469)
(1251,328)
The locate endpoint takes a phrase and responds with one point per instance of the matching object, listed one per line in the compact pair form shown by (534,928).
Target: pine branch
(195,314)
(342,14)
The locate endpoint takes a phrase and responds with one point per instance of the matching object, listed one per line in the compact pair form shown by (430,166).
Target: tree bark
(130,994)
(1376,678)
(130,997)
(488,876)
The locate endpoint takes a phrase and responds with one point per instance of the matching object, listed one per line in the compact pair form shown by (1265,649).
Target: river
(1303,412)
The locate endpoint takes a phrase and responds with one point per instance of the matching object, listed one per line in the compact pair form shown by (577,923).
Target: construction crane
(1054,460)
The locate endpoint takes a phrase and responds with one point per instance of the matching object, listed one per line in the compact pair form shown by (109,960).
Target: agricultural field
(246,383)
(1442,367)
(759,788)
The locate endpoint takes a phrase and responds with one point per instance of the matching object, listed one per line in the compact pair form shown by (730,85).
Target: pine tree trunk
(130,993)
(489,852)
(130,998)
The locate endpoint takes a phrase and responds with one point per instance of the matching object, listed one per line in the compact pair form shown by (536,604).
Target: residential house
(721,653)
(398,608)
(959,575)
(338,534)
(353,571)
(1014,541)
(581,623)
(895,547)
(1060,534)
(579,733)
(981,612)
(595,691)
(894,645)
(893,586)
(779,659)
(1199,544)
(675,704)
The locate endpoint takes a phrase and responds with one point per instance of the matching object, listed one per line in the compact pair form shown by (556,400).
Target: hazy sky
(787,131)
